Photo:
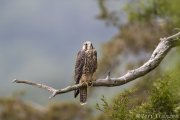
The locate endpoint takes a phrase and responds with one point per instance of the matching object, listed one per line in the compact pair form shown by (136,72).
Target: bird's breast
(89,63)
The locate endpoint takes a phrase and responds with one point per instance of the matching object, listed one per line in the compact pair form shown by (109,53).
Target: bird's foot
(86,84)
(91,84)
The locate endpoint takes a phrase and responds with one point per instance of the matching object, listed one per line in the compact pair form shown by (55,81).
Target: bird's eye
(85,45)
(91,46)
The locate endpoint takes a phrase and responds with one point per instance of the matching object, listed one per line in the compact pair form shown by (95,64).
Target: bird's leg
(86,84)
(90,81)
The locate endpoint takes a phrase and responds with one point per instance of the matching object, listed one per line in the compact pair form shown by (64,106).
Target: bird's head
(87,45)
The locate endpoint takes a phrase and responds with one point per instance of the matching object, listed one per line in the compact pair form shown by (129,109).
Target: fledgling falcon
(86,65)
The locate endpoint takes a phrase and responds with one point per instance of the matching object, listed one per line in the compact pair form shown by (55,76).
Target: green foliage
(162,98)
(146,10)
(119,109)
(162,103)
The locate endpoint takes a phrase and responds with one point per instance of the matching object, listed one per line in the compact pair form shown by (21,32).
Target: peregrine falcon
(86,65)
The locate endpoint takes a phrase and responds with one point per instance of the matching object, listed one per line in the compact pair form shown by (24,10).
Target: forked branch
(157,56)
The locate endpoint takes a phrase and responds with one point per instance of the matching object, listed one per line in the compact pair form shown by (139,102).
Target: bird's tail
(76,92)
(83,95)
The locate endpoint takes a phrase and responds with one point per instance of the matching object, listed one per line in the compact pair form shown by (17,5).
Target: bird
(85,67)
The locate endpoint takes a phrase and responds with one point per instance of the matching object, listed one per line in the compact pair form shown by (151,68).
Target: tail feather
(76,92)
(83,95)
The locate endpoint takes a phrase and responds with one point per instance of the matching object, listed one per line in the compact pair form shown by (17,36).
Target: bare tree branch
(157,56)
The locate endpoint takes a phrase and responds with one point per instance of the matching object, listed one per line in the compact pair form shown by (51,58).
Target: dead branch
(157,56)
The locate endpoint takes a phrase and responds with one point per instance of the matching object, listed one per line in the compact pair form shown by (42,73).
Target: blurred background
(39,40)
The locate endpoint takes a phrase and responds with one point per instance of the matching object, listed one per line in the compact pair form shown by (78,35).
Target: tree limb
(157,56)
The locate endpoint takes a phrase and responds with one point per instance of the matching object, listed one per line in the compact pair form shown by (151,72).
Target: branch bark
(164,46)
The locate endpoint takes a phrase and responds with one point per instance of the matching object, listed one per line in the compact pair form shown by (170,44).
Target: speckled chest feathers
(90,61)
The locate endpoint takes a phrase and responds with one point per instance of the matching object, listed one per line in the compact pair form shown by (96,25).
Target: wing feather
(80,60)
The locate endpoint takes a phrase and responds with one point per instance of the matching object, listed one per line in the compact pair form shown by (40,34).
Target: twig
(157,56)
